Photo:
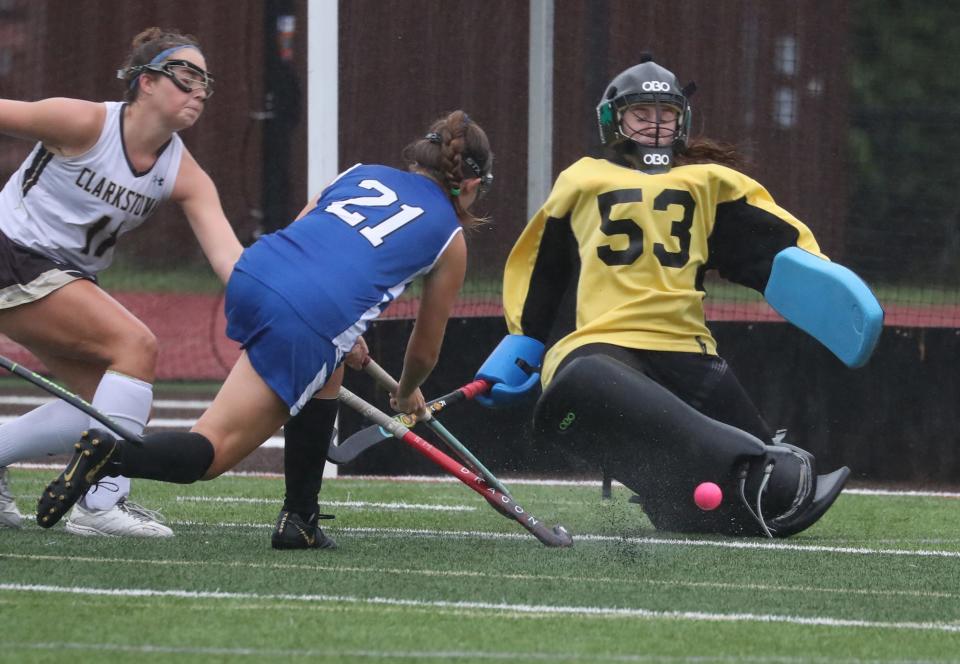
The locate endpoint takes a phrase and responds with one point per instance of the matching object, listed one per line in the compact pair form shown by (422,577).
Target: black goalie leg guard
(619,420)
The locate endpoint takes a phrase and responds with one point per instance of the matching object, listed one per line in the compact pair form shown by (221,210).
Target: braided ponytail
(443,152)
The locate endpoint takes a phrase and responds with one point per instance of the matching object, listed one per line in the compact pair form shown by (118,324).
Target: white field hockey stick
(387,381)
(554,537)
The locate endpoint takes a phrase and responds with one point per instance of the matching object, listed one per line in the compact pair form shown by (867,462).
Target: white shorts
(27,275)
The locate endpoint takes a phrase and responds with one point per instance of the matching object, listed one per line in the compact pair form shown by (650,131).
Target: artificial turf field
(426,571)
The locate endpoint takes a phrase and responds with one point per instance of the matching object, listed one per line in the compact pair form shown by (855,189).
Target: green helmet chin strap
(607,123)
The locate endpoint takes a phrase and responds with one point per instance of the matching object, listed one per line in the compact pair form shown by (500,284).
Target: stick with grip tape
(70,398)
(387,381)
(553,537)
(352,447)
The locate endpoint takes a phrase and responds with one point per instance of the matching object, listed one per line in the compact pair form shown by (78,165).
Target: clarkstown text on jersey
(116,195)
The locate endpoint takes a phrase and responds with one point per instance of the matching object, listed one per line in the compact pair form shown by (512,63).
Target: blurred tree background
(903,142)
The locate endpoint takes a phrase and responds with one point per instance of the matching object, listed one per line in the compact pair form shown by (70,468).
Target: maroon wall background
(403,62)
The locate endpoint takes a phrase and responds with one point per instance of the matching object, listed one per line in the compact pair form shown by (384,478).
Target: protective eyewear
(486,179)
(187,76)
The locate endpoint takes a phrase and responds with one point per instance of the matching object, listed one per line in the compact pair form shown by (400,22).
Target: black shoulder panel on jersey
(556,270)
(32,174)
(745,240)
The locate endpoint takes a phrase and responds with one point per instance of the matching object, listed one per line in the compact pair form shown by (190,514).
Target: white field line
(415,655)
(519,481)
(274,442)
(495,576)
(161,404)
(359,504)
(903,493)
(587,537)
(596,483)
(155,423)
(494,607)
(235,499)
(30,465)
(277,442)
(441,655)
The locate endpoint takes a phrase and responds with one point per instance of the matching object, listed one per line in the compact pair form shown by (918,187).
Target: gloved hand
(514,369)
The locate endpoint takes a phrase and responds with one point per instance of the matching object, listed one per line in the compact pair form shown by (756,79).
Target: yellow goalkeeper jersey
(635,248)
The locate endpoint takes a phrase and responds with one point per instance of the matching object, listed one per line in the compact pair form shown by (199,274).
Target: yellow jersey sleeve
(541,264)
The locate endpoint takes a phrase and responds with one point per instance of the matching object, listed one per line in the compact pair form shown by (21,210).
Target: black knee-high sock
(306,440)
(177,457)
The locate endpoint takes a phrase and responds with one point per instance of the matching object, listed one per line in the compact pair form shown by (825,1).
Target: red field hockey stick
(459,449)
(353,446)
(555,537)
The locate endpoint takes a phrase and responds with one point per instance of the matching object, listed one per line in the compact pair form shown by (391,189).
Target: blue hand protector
(514,369)
(828,302)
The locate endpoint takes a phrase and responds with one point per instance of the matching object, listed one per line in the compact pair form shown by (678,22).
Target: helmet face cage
(677,102)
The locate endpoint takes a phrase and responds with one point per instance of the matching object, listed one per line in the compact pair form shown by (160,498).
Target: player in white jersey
(297,302)
(98,171)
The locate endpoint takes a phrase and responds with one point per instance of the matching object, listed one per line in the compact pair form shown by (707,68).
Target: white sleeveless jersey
(74,208)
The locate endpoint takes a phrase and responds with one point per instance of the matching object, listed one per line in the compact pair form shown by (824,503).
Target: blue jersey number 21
(387,196)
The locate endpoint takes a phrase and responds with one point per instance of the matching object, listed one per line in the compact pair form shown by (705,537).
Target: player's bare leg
(105,354)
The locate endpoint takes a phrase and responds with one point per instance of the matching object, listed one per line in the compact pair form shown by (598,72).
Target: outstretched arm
(65,126)
(197,196)
(758,244)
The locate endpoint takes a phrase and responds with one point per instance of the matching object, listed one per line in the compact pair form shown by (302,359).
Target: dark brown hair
(698,151)
(145,47)
(441,154)
(708,151)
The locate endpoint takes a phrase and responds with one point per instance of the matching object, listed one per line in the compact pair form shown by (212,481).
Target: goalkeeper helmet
(646,84)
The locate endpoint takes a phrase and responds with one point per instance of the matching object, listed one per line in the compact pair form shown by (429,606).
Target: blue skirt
(287,353)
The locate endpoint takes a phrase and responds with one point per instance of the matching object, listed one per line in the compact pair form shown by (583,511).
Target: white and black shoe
(10,516)
(125,519)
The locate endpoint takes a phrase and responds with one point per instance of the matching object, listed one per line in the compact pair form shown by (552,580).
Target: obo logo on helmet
(655,86)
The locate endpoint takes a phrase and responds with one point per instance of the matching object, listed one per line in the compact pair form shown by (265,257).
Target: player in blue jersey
(299,299)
